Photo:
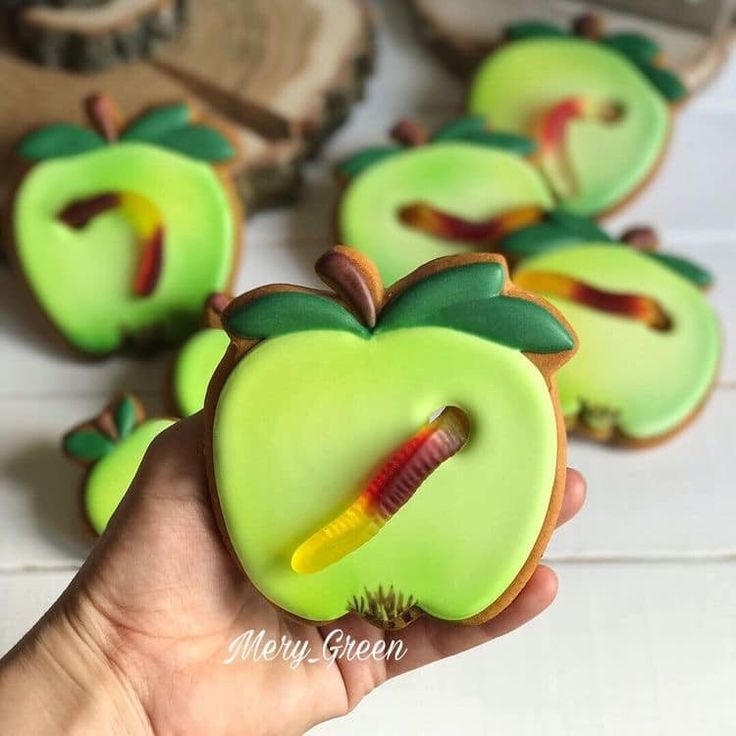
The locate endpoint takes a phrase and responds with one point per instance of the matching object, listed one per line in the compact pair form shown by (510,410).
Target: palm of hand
(173,599)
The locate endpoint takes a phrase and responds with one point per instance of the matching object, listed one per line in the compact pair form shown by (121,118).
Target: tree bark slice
(462,33)
(284,74)
(89,36)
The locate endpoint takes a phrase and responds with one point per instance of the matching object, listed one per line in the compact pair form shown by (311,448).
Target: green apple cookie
(649,339)
(111,447)
(121,234)
(464,169)
(389,454)
(199,356)
(599,108)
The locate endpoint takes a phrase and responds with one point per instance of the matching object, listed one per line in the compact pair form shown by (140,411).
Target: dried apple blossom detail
(631,306)
(392,486)
(428,219)
(146,221)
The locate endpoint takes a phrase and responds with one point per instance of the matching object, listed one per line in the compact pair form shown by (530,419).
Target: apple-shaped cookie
(197,359)
(111,447)
(393,454)
(121,234)
(598,106)
(649,338)
(464,168)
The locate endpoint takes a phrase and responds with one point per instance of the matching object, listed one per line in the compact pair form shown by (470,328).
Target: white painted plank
(640,650)
(634,650)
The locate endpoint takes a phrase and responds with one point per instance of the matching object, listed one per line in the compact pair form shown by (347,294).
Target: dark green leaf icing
(364,159)
(684,267)
(466,298)
(88,445)
(169,126)
(474,129)
(126,416)
(640,50)
(151,126)
(59,139)
(281,312)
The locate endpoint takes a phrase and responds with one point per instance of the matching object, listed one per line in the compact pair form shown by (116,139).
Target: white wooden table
(642,639)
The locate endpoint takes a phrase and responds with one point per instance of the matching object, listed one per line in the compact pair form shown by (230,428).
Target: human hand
(138,642)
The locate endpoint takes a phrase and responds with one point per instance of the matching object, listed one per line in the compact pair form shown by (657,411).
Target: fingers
(575,491)
(428,640)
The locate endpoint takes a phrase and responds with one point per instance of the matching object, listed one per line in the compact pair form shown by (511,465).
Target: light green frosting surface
(195,364)
(83,278)
(467,180)
(655,379)
(305,419)
(111,477)
(522,79)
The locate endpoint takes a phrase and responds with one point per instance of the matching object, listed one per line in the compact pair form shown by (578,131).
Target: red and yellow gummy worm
(388,490)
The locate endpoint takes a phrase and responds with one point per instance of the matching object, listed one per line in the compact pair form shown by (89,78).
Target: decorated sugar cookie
(111,447)
(649,339)
(197,359)
(391,453)
(121,232)
(465,169)
(598,105)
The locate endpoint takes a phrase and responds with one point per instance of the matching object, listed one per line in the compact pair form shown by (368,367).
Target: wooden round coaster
(465,31)
(284,74)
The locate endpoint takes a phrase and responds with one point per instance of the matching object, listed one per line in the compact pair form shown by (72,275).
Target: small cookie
(598,105)
(391,453)
(464,168)
(197,359)
(121,232)
(111,446)
(649,339)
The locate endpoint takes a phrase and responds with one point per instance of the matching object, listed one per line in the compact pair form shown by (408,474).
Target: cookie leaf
(640,49)
(359,162)
(198,141)
(684,267)
(667,82)
(460,128)
(282,312)
(518,144)
(125,416)
(533,29)
(87,445)
(469,298)
(57,140)
(154,124)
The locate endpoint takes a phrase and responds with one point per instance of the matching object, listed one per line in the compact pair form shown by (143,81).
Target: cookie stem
(104,115)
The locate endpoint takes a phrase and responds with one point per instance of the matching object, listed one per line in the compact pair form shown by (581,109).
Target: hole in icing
(146,221)
(631,306)
(393,484)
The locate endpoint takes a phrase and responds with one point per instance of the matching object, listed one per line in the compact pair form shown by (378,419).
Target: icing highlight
(389,489)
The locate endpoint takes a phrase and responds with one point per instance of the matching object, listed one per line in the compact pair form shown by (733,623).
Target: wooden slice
(84,36)
(463,32)
(283,73)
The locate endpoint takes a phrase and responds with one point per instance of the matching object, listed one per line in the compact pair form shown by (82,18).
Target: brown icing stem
(214,306)
(355,279)
(409,133)
(588,25)
(104,115)
(642,238)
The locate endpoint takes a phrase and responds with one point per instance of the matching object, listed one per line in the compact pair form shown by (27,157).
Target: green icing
(474,129)
(684,267)
(458,177)
(654,379)
(532,29)
(195,364)
(467,298)
(610,161)
(83,278)
(666,82)
(60,139)
(460,128)
(364,159)
(111,477)
(154,124)
(88,445)
(640,49)
(337,407)
(198,141)
(280,312)
(126,416)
